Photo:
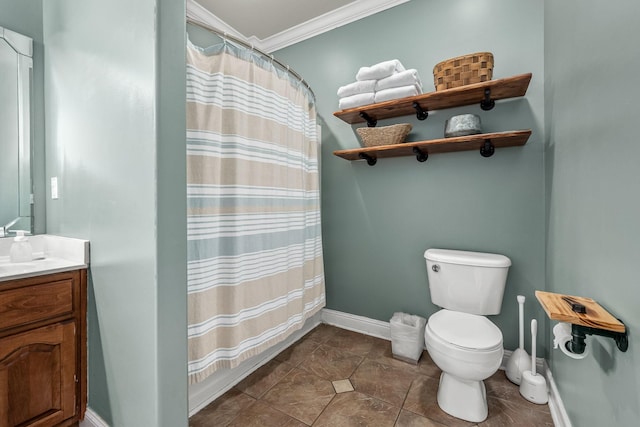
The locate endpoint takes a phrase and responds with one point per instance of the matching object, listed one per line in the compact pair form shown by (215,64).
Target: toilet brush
(519,360)
(533,387)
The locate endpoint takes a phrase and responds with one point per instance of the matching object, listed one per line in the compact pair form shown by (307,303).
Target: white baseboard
(91,419)
(205,392)
(558,411)
(352,322)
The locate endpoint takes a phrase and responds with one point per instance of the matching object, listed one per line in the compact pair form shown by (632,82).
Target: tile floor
(306,385)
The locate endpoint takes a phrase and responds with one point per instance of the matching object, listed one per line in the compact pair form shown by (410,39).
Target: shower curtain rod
(224,35)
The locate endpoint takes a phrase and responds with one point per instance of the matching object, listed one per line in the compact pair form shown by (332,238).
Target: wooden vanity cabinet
(43,356)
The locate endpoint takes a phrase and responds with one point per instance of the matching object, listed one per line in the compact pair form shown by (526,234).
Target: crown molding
(342,16)
(197,12)
(327,22)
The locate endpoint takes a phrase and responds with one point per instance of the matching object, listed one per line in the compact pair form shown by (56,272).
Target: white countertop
(52,254)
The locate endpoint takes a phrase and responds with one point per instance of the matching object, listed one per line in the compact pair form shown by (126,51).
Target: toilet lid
(465,330)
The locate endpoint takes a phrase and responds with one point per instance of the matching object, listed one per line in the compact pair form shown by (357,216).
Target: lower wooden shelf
(443,145)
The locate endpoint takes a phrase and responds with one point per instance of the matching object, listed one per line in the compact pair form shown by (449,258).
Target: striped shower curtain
(255,268)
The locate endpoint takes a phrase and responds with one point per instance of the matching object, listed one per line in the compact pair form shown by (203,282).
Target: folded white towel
(397,92)
(380,70)
(355,88)
(356,100)
(403,78)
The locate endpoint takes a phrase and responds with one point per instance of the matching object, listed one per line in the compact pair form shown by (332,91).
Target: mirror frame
(23,46)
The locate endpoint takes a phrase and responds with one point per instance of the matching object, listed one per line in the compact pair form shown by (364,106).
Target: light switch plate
(54,187)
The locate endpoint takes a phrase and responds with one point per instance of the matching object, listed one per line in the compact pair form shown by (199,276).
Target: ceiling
(273,24)
(263,19)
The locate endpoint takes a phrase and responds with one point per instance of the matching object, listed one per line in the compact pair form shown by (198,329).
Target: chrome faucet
(6,229)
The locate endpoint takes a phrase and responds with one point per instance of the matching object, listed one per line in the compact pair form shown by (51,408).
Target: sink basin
(21,268)
(10,268)
(53,254)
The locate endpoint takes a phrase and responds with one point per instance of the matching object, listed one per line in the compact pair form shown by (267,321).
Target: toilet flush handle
(435,267)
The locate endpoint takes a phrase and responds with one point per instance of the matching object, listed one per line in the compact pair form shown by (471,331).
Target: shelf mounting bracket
(371,122)
(421,114)
(370,160)
(487,103)
(421,156)
(487,149)
(577,344)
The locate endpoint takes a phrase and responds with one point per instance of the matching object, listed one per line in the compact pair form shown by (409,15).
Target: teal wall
(378,221)
(25,17)
(592,58)
(115,130)
(171,213)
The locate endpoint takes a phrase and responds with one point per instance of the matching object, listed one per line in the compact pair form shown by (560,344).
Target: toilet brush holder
(533,386)
(519,360)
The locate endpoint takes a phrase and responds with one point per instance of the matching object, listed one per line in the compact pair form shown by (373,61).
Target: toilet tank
(470,282)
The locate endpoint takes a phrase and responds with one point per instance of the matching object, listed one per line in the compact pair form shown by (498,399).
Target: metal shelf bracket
(487,103)
(421,114)
(577,344)
(370,160)
(421,156)
(371,122)
(487,149)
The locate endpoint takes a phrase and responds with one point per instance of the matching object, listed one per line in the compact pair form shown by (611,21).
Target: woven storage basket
(463,70)
(385,135)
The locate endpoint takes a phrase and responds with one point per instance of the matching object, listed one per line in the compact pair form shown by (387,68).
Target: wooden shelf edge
(504,88)
(442,145)
(595,317)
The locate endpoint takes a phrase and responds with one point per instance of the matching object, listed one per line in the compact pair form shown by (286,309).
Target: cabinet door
(37,370)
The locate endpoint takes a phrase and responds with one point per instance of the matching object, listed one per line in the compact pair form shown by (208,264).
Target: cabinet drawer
(34,303)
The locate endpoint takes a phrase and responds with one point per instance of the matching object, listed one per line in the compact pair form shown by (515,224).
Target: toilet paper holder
(586,317)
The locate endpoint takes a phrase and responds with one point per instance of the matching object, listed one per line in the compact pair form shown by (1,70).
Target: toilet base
(462,399)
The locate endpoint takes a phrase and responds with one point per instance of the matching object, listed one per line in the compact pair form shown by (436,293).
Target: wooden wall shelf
(586,317)
(557,307)
(443,145)
(509,87)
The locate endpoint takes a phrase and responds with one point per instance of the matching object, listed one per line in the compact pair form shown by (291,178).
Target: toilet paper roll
(561,336)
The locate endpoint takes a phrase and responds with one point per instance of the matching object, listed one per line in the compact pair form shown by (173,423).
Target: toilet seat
(465,331)
(465,344)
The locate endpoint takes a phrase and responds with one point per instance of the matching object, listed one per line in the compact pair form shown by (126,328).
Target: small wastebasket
(407,336)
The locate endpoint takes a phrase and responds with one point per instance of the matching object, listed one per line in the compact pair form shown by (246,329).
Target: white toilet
(464,344)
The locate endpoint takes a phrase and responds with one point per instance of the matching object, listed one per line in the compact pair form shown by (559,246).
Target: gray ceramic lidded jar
(462,125)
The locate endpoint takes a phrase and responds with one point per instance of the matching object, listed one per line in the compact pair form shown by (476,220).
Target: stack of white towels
(380,82)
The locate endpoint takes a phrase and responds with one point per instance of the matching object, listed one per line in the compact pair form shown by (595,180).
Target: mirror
(16,76)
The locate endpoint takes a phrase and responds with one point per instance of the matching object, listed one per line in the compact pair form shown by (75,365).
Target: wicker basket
(385,135)
(463,70)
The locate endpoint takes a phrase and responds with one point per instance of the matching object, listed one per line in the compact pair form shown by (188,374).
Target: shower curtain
(255,267)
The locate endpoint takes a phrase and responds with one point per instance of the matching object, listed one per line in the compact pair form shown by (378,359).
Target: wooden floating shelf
(509,87)
(597,317)
(443,145)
